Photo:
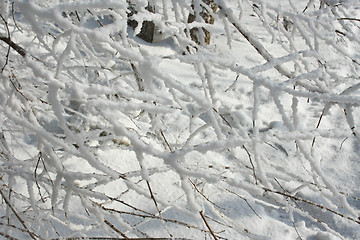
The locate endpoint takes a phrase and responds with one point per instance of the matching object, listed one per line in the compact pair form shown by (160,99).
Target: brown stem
(207,225)
(32,235)
(13,45)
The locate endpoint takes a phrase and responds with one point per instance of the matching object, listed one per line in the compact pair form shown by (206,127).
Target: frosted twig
(251,39)
(105,76)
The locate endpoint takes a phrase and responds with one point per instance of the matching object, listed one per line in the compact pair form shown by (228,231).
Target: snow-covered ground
(254,136)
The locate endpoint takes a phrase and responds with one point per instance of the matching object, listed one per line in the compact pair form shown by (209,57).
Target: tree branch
(13,45)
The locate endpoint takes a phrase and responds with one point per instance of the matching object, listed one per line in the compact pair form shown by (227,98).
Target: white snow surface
(106,136)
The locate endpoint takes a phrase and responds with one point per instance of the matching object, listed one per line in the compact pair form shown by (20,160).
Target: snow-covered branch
(179,119)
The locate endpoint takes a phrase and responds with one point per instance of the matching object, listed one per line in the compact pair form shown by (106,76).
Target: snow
(255,136)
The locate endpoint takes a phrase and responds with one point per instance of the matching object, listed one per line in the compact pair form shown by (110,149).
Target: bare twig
(251,162)
(165,140)
(297,232)
(13,226)
(318,124)
(350,19)
(36,180)
(32,235)
(313,204)
(202,194)
(207,225)
(155,217)
(13,45)
(14,79)
(8,52)
(233,84)
(157,207)
(245,201)
(128,205)
(77,16)
(115,229)
(13,16)
(223,118)
(97,19)
(7,236)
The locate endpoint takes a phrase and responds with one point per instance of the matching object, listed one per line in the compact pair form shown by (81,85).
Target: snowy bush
(252,136)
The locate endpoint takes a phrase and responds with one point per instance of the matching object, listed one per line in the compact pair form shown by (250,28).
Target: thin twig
(13,16)
(245,201)
(202,194)
(7,236)
(32,235)
(251,162)
(165,140)
(350,19)
(207,225)
(36,180)
(342,142)
(351,196)
(8,52)
(157,207)
(115,229)
(12,77)
(223,118)
(13,226)
(128,205)
(155,217)
(295,204)
(233,84)
(317,126)
(313,204)
(97,19)
(296,230)
(77,16)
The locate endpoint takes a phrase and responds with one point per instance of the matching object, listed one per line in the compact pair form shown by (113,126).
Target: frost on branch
(105,135)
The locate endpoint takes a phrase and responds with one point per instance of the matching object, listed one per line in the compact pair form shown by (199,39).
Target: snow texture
(253,136)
